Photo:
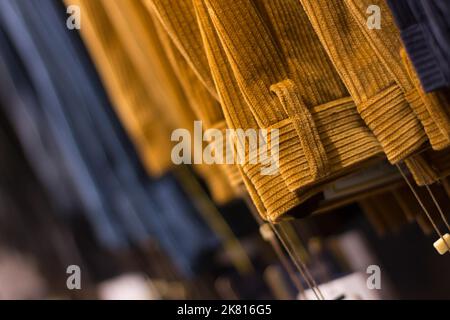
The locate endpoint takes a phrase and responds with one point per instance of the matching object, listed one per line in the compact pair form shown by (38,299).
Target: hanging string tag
(442,244)
(266,232)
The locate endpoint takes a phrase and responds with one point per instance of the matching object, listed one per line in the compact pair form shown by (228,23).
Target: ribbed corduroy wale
(372,76)
(191,48)
(269,193)
(340,94)
(180,36)
(287,87)
(386,43)
(400,114)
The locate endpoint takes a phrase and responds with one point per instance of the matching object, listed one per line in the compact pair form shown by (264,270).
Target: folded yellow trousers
(272,193)
(380,96)
(289,84)
(386,43)
(435,110)
(272,203)
(188,58)
(179,21)
(430,109)
(268,192)
(435,117)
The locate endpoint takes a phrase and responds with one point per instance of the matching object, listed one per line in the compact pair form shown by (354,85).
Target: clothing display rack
(224,149)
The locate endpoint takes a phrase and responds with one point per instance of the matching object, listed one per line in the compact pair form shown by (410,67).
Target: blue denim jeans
(425,31)
(78,147)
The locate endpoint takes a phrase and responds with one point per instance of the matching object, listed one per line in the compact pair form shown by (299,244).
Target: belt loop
(304,125)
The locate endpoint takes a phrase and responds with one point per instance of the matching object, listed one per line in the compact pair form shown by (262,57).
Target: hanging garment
(425,32)
(200,105)
(386,43)
(307,101)
(269,193)
(69,94)
(26,214)
(127,91)
(178,30)
(383,96)
(431,109)
(428,167)
(25,91)
(159,93)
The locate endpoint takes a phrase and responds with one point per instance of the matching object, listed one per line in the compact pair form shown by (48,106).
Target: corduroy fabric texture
(433,110)
(178,19)
(106,27)
(340,94)
(140,36)
(283,201)
(180,35)
(376,86)
(268,192)
(386,43)
(429,108)
(290,84)
(434,114)
(141,42)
